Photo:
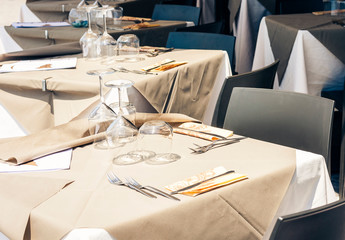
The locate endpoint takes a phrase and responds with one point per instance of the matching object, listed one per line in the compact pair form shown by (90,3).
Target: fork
(152,189)
(113,179)
(214,144)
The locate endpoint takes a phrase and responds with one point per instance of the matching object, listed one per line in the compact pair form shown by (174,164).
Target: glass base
(127,159)
(129,59)
(163,158)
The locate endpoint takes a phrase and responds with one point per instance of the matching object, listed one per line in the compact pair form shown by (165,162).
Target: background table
(17,39)
(55,10)
(90,204)
(310,49)
(191,89)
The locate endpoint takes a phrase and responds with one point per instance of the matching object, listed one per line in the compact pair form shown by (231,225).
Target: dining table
(310,50)
(79,201)
(18,39)
(57,96)
(58,10)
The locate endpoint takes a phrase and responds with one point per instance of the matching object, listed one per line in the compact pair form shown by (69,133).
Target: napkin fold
(130,18)
(203,131)
(140,25)
(207,184)
(75,133)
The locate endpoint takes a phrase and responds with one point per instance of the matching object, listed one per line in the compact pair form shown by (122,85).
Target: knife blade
(198,183)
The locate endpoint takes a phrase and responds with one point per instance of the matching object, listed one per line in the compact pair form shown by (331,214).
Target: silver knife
(198,183)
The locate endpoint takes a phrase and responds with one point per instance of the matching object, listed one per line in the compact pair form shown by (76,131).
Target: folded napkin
(202,131)
(209,181)
(163,66)
(140,25)
(39,24)
(129,18)
(72,134)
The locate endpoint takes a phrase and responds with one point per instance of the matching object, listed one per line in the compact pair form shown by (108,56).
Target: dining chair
(291,119)
(338,145)
(325,222)
(199,40)
(176,12)
(214,27)
(260,78)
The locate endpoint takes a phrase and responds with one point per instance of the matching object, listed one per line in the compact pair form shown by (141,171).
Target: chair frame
(279,104)
(286,226)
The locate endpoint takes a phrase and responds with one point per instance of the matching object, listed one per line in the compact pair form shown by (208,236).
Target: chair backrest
(176,12)
(287,118)
(215,27)
(326,222)
(260,78)
(198,40)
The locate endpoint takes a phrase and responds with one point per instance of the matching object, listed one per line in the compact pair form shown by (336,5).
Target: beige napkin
(140,25)
(72,134)
(206,185)
(202,131)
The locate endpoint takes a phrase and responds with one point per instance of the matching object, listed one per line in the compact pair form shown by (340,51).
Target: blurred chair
(215,27)
(288,118)
(298,6)
(326,222)
(197,40)
(338,145)
(179,2)
(260,78)
(176,13)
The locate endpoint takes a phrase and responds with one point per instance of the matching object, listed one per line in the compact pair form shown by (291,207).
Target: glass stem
(120,100)
(101,89)
(89,20)
(105,23)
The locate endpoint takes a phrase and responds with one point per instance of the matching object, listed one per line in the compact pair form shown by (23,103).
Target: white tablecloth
(311,67)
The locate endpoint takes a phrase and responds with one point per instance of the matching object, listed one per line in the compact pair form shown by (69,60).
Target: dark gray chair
(287,118)
(260,78)
(176,12)
(338,144)
(200,40)
(326,222)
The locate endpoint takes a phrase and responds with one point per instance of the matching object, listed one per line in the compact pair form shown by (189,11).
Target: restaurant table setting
(220,188)
(57,96)
(309,48)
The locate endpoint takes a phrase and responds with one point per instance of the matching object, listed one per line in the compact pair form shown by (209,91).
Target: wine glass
(102,116)
(128,46)
(106,42)
(122,132)
(121,105)
(88,41)
(156,136)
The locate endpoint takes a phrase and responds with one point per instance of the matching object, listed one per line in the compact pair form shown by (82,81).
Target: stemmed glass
(122,132)
(102,116)
(88,41)
(106,42)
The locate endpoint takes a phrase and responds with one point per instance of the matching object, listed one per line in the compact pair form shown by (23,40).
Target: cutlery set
(215,144)
(134,185)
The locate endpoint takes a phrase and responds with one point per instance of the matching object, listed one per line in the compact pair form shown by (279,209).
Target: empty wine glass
(156,136)
(116,15)
(106,42)
(128,46)
(122,105)
(88,41)
(102,116)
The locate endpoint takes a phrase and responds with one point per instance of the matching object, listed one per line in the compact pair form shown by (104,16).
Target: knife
(198,183)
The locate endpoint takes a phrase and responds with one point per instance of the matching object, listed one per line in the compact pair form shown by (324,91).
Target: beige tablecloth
(239,211)
(186,89)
